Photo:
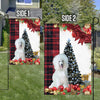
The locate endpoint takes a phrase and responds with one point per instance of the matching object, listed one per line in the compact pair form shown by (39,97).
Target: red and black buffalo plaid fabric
(51,49)
(14,34)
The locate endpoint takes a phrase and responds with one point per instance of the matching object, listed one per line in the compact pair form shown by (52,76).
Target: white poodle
(19,53)
(60,76)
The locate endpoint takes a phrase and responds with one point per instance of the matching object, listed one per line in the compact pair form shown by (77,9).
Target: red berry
(21,19)
(21,63)
(85,89)
(63,93)
(54,88)
(61,88)
(25,61)
(68,89)
(31,60)
(37,61)
(20,60)
(78,89)
(75,87)
(63,25)
(89,87)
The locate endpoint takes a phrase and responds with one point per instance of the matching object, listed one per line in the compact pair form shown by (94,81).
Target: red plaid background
(51,50)
(14,34)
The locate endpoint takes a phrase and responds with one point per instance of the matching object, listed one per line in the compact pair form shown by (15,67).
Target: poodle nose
(62,65)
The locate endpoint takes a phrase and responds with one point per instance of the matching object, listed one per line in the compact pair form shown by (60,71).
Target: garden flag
(27,52)
(61,41)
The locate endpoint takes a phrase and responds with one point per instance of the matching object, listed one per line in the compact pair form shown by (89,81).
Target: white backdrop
(82,52)
(34,37)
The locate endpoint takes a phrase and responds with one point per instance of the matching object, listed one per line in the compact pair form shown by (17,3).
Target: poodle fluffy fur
(19,53)
(60,76)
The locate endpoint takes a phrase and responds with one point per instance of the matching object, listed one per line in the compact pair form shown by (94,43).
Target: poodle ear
(55,63)
(16,43)
(66,61)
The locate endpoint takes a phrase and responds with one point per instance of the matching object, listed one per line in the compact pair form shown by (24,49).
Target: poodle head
(20,43)
(60,62)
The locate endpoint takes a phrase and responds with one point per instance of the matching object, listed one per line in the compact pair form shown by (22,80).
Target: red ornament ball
(61,88)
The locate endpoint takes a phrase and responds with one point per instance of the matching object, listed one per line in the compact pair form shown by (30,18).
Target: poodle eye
(62,60)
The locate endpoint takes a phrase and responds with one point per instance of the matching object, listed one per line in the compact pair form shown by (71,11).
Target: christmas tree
(74,75)
(28,49)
